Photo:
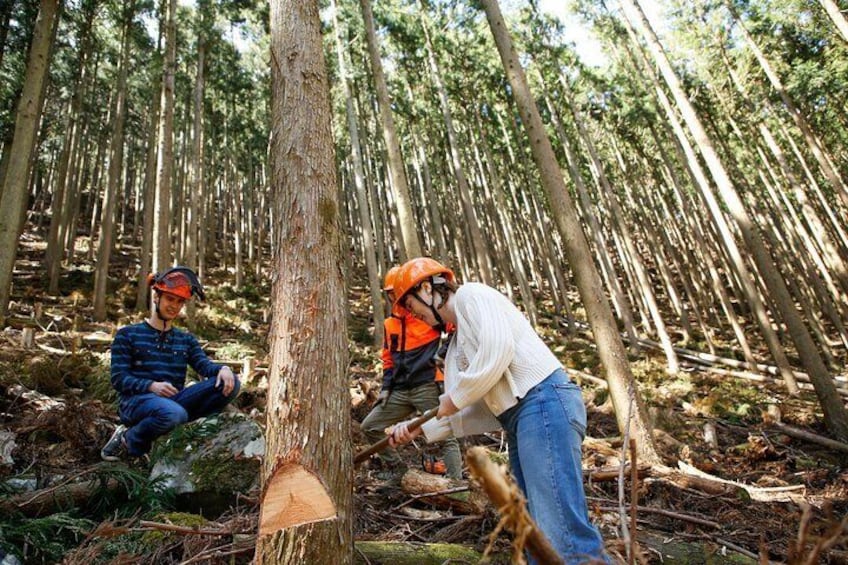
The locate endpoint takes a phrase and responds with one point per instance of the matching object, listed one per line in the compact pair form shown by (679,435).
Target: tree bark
(308,421)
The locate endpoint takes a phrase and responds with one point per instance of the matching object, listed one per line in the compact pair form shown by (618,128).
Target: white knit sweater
(495,358)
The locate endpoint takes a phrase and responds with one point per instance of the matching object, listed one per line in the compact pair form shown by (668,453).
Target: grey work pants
(400,405)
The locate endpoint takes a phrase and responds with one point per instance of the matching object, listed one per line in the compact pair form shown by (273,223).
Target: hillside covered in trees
(672,222)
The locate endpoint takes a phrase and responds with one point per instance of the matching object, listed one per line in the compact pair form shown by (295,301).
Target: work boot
(116,448)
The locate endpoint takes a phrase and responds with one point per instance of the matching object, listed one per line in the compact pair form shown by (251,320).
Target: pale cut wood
(791,493)
(294,497)
(417,482)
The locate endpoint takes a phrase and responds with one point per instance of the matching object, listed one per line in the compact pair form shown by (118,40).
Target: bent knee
(173,415)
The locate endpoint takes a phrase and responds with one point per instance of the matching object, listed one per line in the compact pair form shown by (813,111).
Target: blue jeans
(545,431)
(148,416)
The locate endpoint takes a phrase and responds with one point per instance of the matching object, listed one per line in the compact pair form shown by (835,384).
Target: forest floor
(57,406)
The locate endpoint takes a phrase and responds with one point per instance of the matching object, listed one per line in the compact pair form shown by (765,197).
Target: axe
(383,443)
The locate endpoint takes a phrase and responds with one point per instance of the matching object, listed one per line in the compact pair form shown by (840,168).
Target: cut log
(416,483)
(696,552)
(406,553)
(605,474)
(293,497)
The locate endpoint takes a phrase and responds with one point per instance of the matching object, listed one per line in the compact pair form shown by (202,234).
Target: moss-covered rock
(211,459)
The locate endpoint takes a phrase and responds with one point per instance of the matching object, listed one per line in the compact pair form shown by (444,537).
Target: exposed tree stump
(28,338)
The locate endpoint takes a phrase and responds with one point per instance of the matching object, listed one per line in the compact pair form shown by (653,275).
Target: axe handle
(384,443)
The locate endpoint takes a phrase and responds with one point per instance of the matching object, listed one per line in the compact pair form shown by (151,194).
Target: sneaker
(116,448)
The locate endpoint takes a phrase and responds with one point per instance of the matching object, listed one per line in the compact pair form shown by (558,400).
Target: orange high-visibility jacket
(409,346)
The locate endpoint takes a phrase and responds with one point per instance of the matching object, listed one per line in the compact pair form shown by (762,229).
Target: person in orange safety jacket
(411,382)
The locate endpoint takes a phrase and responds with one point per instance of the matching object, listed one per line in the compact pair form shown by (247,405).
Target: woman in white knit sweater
(499,373)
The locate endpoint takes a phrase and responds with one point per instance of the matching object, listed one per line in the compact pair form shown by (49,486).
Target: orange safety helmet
(389,280)
(178,281)
(414,272)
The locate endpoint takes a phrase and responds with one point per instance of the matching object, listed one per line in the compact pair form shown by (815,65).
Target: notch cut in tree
(294,497)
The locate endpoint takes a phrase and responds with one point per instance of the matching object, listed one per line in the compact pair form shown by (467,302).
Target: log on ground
(417,483)
(408,553)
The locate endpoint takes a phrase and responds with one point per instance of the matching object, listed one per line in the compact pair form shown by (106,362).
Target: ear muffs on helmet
(179,281)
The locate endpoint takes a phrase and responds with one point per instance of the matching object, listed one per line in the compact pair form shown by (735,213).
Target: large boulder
(209,462)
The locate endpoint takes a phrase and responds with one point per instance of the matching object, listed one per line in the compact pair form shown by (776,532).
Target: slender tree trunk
(197,155)
(116,161)
(629,408)
(27,119)
(472,222)
(406,220)
(165,141)
(835,414)
(500,207)
(5,18)
(359,188)
(837,17)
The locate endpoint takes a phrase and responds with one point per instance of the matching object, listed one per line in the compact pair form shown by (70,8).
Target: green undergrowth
(181,436)
(120,493)
(56,375)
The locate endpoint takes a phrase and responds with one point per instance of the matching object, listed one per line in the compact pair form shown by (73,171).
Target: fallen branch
(49,500)
(809,436)
(147,525)
(511,506)
(659,511)
(760,494)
